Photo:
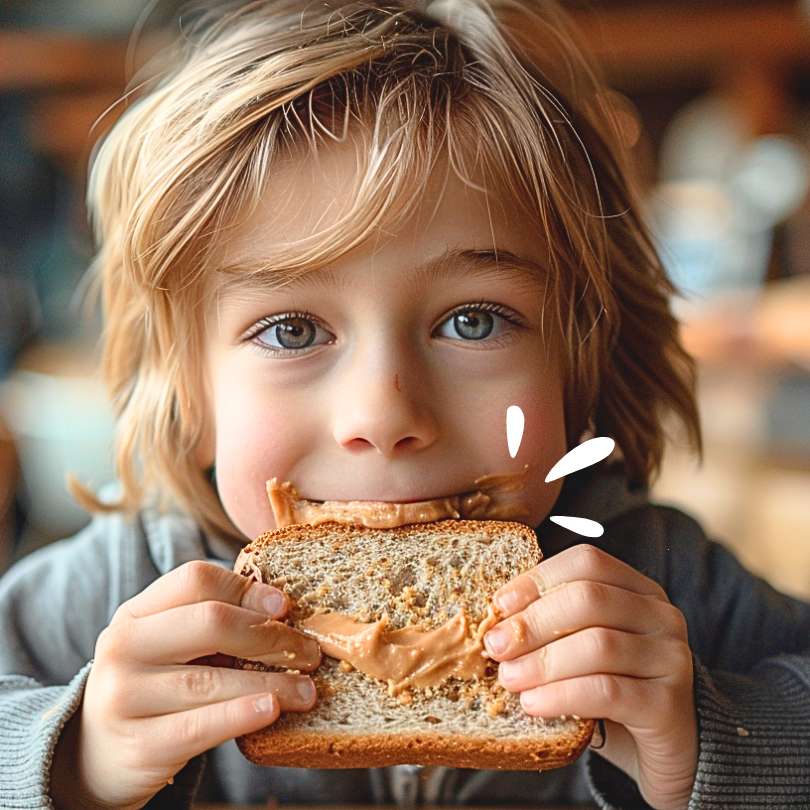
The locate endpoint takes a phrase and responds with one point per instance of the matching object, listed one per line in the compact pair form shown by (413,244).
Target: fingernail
(273,603)
(528,701)
(507,671)
(496,641)
(264,704)
(505,602)
(306,690)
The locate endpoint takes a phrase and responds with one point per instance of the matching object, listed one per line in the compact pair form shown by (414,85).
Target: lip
(384,500)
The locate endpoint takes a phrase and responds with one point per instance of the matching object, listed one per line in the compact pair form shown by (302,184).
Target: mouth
(422,499)
(495,496)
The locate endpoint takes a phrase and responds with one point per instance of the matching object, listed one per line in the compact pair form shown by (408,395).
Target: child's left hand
(588,635)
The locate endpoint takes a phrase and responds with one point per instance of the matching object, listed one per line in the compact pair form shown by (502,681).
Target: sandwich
(399,610)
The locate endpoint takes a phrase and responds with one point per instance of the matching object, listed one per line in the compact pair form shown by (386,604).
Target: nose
(384,412)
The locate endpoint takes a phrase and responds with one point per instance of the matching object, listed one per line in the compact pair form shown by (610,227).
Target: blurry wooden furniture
(643,45)
(640,44)
(70,82)
(751,491)
(765,329)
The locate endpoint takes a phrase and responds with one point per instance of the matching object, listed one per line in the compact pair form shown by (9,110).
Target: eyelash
(266,323)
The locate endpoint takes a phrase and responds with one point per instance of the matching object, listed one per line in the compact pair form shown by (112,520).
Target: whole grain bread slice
(416,574)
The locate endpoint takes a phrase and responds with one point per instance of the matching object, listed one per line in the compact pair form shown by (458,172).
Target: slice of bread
(418,574)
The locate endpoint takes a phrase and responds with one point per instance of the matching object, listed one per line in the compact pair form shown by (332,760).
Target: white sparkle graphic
(584,455)
(514,428)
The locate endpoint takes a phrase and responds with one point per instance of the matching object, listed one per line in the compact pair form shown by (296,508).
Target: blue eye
(292,333)
(476,322)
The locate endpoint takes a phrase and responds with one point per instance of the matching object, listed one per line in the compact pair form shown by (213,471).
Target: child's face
(382,394)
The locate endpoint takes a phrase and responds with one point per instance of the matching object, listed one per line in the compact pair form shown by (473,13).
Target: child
(336,241)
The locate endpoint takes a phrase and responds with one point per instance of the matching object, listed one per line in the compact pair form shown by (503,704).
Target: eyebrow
(495,264)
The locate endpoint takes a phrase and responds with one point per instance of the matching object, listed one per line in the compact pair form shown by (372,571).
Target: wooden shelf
(53,62)
(638,43)
(641,44)
(748,48)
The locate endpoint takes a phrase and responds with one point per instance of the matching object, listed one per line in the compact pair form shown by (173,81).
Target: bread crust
(307,750)
(338,532)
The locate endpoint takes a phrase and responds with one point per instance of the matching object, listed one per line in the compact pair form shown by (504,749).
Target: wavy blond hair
(501,83)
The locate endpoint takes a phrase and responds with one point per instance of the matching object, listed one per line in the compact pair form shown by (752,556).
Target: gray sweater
(750,643)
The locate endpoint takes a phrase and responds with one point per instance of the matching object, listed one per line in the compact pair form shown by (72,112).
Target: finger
(628,701)
(200,581)
(595,649)
(573,607)
(208,628)
(168,690)
(582,561)
(197,730)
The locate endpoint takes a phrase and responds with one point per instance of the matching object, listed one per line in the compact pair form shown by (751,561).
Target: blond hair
(500,81)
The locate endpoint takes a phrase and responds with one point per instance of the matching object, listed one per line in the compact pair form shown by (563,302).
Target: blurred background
(713,100)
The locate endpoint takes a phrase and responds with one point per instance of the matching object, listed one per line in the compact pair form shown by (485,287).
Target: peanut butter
(493,497)
(405,657)
(287,647)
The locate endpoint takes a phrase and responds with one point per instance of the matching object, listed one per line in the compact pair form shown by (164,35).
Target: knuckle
(189,728)
(591,557)
(201,682)
(544,665)
(682,655)
(603,643)
(213,614)
(528,625)
(608,688)
(122,613)
(111,694)
(109,644)
(533,579)
(588,595)
(196,577)
(677,620)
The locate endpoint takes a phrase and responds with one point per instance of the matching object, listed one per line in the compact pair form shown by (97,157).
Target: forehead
(452,228)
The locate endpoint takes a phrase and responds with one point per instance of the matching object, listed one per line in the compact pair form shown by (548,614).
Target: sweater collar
(599,493)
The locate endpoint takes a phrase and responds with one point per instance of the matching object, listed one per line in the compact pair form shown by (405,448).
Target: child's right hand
(147,711)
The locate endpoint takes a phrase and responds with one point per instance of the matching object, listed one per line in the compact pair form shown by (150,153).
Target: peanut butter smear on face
(405,657)
(492,497)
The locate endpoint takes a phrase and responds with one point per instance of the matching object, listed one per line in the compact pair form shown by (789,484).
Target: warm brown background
(60,69)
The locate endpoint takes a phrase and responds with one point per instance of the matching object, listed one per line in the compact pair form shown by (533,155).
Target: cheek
(479,424)
(542,444)
(255,436)
(543,439)
(544,430)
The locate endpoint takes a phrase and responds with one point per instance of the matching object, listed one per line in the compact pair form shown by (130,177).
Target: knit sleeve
(32,717)
(754,732)
(48,622)
(754,742)
(751,652)
(53,604)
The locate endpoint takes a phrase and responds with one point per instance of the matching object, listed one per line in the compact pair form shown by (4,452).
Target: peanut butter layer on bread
(419,577)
